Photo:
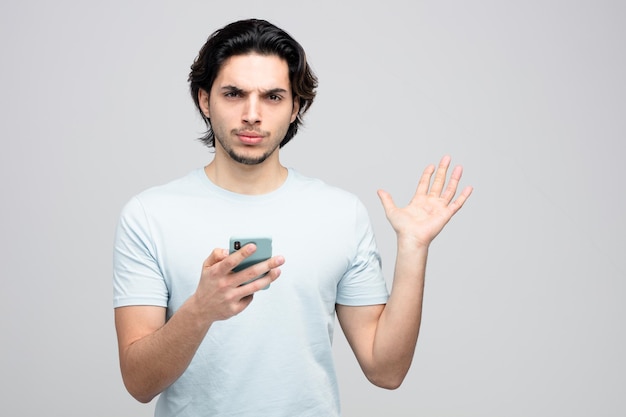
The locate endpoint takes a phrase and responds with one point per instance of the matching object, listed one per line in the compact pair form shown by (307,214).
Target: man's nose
(252,111)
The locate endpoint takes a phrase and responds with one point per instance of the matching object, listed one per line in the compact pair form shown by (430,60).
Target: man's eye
(274,97)
(231,94)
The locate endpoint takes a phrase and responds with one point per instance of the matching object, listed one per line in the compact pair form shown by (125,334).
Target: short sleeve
(363,283)
(137,277)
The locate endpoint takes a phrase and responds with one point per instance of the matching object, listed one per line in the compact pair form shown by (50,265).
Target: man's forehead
(254,71)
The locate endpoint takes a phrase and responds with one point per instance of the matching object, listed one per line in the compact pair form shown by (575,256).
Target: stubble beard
(243,159)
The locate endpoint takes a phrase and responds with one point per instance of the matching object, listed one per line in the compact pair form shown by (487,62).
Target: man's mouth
(250,138)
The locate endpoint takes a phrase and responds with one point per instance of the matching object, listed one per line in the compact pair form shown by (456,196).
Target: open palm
(431,207)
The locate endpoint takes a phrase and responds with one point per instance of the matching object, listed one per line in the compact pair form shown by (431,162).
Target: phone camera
(237,245)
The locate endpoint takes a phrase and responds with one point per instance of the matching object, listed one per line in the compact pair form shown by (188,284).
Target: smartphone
(263,252)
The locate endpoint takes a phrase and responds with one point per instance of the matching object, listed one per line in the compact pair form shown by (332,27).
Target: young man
(205,338)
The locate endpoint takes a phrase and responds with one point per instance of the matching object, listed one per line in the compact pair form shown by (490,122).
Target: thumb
(386,200)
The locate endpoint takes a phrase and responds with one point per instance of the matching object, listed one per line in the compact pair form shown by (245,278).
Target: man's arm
(154,353)
(383,337)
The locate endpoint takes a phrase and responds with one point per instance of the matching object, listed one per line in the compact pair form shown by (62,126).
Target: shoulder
(164,195)
(313,195)
(320,188)
(188,185)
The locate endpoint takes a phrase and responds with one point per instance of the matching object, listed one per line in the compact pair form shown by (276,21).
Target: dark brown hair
(244,37)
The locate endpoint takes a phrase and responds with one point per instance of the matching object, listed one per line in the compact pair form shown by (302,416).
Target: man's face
(250,106)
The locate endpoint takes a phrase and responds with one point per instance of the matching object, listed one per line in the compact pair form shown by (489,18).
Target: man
(205,338)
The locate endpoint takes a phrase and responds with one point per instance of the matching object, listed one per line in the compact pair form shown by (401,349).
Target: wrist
(412,243)
(195,313)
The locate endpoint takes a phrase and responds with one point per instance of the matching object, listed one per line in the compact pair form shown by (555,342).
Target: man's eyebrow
(231,88)
(276,90)
(235,89)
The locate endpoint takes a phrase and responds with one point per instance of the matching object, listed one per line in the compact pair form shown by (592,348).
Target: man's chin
(248,160)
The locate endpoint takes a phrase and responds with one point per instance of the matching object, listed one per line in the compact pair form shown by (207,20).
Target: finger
(253,272)
(262,283)
(461,199)
(245,301)
(235,258)
(453,183)
(440,176)
(424,182)
(386,200)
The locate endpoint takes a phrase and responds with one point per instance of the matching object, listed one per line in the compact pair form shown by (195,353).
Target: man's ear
(203,101)
(295,109)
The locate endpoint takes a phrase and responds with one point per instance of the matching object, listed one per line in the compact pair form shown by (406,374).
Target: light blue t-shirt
(275,357)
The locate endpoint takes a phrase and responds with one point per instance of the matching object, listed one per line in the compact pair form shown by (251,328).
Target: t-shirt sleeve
(137,277)
(363,283)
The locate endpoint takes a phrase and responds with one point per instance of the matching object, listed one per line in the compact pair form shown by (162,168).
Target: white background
(524,312)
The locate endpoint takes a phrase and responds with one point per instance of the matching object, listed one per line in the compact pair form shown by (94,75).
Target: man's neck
(246,179)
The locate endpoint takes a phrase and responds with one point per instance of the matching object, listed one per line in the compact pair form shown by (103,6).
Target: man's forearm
(153,362)
(416,225)
(399,324)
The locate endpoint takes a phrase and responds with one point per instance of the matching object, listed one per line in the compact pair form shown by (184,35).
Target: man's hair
(252,36)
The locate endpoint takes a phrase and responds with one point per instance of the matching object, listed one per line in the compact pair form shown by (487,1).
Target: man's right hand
(220,293)
(155,352)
